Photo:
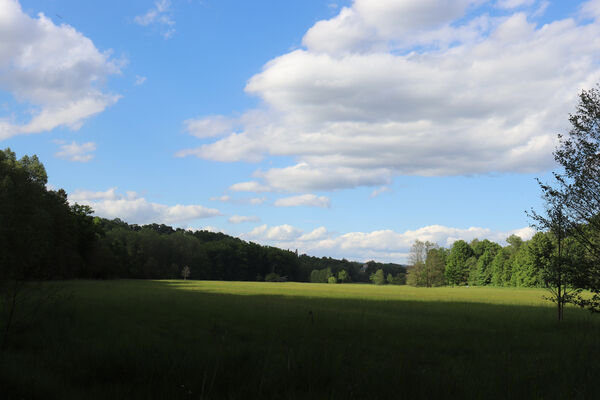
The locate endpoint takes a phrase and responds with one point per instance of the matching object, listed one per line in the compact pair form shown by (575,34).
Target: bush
(272,277)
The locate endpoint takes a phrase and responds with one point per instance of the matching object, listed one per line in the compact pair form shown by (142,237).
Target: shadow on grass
(136,339)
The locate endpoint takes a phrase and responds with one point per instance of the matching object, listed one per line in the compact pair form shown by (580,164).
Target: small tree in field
(558,257)
(343,276)
(185,273)
(378,277)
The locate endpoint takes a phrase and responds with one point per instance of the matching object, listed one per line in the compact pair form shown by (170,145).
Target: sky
(346,129)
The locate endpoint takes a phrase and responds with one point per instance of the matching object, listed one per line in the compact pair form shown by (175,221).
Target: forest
(43,237)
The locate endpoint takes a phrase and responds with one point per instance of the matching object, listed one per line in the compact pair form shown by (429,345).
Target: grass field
(241,340)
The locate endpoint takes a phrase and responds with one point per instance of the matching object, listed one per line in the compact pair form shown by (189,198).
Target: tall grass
(240,340)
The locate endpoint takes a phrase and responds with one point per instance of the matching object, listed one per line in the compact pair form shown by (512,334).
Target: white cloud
(307,200)
(508,4)
(590,9)
(223,198)
(382,245)
(139,80)
(208,228)
(251,186)
(211,126)
(53,70)
(257,200)
(251,200)
(317,234)
(417,87)
(76,152)
(160,14)
(132,208)
(275,233)
(238,219)
(379,191)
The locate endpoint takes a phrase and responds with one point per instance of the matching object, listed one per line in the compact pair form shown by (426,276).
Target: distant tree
(272,277)
(389,278)
(343,276)
(315,276)
(422,273)
(185,272)
(457,271)
(332,279)
(378,277)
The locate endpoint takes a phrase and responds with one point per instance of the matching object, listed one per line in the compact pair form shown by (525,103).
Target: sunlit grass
(489,295)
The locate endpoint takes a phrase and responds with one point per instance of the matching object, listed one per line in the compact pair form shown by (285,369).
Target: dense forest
(482,262)
(42,236)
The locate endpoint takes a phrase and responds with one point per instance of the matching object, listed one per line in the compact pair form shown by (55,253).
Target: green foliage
(343,276)
(457,269)
(378,278)
(332,279)
(272,277)
(573,206)
(427,265)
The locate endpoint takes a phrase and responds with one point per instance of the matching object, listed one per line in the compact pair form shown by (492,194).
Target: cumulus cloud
(382,245)
(54,71)
(211,126)
(159,15)
(508,4)
(274,233)
(307,200)
(225,198)
(76,152)
(590,9)
(378,191)
(238,219)
(139,80)
(133,208)
(244,200)
(251,186)
(415,87)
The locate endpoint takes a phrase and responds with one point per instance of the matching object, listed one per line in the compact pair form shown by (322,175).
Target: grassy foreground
(241,340)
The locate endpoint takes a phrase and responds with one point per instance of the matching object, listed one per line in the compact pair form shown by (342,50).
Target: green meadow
(129,339)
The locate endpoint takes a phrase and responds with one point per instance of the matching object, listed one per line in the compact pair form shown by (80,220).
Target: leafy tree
(497,267)
(332,279)
(272,277)
(558,260)
(576,189)
(343,276)
(425,264)
(389,278)
(399,279)
(378,277)
(457,270)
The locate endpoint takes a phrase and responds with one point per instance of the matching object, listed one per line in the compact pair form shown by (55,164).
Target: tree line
(43,237)
(484,263)
(564,255)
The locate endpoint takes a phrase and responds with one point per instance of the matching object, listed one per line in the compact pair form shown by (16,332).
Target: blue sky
(344,129)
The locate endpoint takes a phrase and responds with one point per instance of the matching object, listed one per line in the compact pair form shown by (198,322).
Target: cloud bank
(53,71)
(76,152)
(132,208)
(412,87)
(382,245)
